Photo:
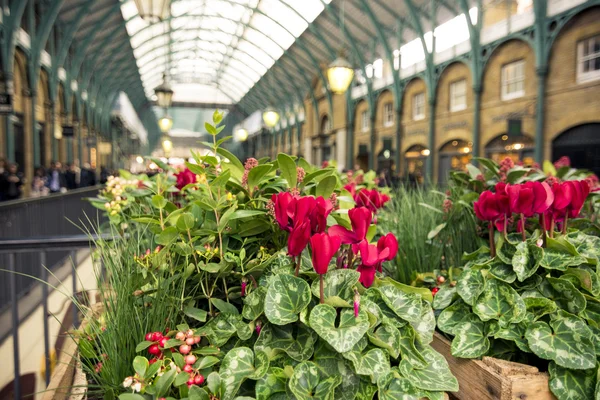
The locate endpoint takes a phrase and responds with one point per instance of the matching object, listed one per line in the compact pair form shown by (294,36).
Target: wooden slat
(493,379)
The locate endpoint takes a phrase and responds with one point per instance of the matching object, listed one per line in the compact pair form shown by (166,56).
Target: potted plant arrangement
(260,280)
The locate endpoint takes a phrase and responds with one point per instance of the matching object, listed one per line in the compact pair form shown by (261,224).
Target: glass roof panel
(228,44)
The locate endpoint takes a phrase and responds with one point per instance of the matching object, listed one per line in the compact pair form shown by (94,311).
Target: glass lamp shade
(340,74)
(167,145)
(270,117)
(165,124)
(241,135)
(153,10)
(164,94)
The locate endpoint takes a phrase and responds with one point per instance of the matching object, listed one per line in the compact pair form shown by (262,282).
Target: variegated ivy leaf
(444,297)
(586,278)
(366,391)
(451,318)
(374,363)
(254,303)
(499,301)
(410,347)
(531,283)
(569,384)
(526,260)
(387,337)
(587,246)
(512,332)
(287,296)
(436,376)
(406,305)
(220,329)
(274,381)
(471,339)
(355,352)
(502,271)
(592,311)
(238,365)
(560,254)
(395,387)
(278,263)
(567,340)
(470,285)
(343,337)
(385,313)
(426,325)
(564,293)
(275,339)
(539,306)
(505,250)
(331,363)
(337,285)
(305,383)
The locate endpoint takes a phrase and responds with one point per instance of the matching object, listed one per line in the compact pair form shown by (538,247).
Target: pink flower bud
(356,304)
(244,283)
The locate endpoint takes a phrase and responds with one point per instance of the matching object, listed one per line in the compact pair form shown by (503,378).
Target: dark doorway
(518,148)
(19,145)
(581,144)
(454,156)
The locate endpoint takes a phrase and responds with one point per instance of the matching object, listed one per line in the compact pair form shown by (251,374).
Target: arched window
(518,148)
(581,144)
(325,125)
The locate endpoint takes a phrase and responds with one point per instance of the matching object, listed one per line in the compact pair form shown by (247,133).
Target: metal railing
(41,245)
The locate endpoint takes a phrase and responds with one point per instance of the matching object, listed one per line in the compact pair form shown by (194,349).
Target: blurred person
(11,183)
(87,176)
(56,178)
(38,185)
(71,176)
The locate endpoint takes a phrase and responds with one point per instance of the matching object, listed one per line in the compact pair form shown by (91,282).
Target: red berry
(189,341)
(152,361)
(189,333)
(199,380)
(154,350)
(184,349)
(190,382)
(190,359)
(156,336)
(435,290)
(149,336)
(162,342)
(188,368)
(441,279)
(197,339)
(180,336)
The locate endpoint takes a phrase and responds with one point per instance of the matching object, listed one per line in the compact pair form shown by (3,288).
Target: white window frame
(458,95)
(593,75)
(418,106)
(508,80)
(364,121)
(388,114)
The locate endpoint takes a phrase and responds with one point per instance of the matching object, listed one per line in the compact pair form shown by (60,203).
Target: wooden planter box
(68,381)
(494,379)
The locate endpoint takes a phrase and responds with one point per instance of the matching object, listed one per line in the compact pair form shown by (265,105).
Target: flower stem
(297,265)
(492,244)
(523,227)
(505,225)
(564,227)
(552,226)
(543,224)
(321,290)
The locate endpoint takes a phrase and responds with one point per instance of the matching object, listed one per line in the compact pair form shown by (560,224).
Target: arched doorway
(324,132)
(385,158)
(518,148)
(581,144)
(414,167)
(454,156)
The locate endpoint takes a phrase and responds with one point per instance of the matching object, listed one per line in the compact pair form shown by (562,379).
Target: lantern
(270,117)
(340,74)
(165,124)
(164,94)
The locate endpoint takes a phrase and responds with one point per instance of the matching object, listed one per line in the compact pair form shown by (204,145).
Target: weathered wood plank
(493,379)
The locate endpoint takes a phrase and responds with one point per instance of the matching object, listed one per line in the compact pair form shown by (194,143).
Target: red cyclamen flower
(298,238)
(184,177)
(360,219)
(323,248)
(530,198)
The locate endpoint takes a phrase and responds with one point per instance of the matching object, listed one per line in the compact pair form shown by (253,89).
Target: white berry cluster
(115,186)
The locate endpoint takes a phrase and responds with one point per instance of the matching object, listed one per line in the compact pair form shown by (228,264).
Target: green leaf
(305,383)
(143,345)
(501,271)
(131,396)
(564,293)
(181,379)
(210,129)
(501,302)
(287,296)
(586,278)
(331,364)
(195,313)
(275,381)
(375,363)
(425,326)
(233,160)
(146,220)
(539,306)
(394,387)
(526,260)
(387,337)
(221,180)
(237,366)
(186,221)
(254,303)
(343,337)
(471,340)
(444,297)
(505,250)
(337,283)
(256,174)
(320,173)
(512,332)
(470,285)
(515,174)
(435,231)
(560,254)
(287,166)
(587,246)
(140,365)
(274,340)
(436,376)
(224,307)
(567,341)
(568,384)
(197,393)
(168,235)
(410,347)
(238,214)
(159,201)
(406,305)
(164,382)
(326,187)
(451,318)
